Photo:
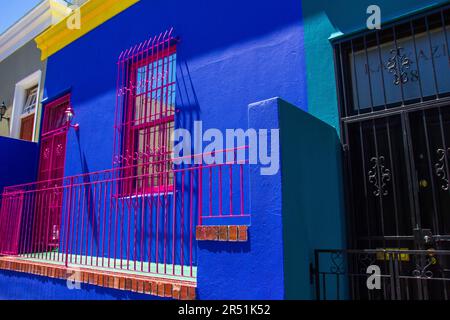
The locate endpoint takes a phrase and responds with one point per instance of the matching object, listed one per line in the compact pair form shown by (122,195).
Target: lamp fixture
(69,118)
(3,112)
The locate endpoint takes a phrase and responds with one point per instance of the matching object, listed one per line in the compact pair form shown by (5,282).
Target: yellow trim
(93,14)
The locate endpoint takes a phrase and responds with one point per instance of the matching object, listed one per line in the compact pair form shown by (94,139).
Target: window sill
(153,192)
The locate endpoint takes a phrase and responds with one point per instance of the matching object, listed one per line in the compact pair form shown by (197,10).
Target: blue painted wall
(231,54)
(252,269)
(22,286)
(301,211)
(19,162)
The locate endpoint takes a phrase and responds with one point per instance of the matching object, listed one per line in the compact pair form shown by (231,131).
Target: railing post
(69,205)
(200,195)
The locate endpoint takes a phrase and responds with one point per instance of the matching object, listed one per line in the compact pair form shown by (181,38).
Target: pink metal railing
(108,220)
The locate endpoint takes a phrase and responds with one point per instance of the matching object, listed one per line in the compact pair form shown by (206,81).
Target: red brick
(128,284)
(140,286)
(199,233)
(116,283)
(212,233)
(176,290)
(191,293)
(223,233)
(242,233)
(134,285)
(168,290)
(160,289)
(105,279)
(232,233)
(147,287)
(122,283)
(91,278)
(184,293)
(154,288)
(100,281)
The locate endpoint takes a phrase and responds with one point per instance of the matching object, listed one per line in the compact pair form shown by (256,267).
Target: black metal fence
(381,274)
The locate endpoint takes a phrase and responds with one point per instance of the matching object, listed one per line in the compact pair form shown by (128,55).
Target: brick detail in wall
(222,233)
(152,286)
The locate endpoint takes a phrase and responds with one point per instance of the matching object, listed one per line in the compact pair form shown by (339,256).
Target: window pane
(31,100)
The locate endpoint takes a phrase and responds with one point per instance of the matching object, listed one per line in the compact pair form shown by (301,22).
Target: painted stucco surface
(322,18)
(253,269)
(19,162)
(223,66)
(301,211)
(21,286)
(13,69)
(312,195)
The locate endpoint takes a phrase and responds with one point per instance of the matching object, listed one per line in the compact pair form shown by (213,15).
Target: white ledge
(41,17)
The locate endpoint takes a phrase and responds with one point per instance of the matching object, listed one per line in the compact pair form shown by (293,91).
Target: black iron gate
(398,173)
(381,274)
(394,94)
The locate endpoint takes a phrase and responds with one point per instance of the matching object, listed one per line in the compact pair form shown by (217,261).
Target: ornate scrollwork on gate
(423,271)
(379,176)
(337,263)
(397,64)
(441,168)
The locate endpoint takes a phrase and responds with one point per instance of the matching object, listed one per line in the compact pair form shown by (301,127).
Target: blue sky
(13,10)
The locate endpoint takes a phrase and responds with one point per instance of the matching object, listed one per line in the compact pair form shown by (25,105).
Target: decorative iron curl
(379,171)
(441,167)
(337,263)
(423,272)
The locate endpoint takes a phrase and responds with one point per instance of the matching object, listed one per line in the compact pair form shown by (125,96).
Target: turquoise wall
(322,18)
(312,201)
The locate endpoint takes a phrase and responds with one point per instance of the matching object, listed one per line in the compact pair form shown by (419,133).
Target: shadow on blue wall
(19,162)
(222,66)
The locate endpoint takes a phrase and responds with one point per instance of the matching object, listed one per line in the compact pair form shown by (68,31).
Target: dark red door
(50,176)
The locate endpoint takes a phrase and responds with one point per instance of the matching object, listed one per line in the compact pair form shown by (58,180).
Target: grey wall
(16,67)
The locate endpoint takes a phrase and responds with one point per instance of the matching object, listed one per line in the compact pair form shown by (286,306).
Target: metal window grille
(145,112)
(403,64)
